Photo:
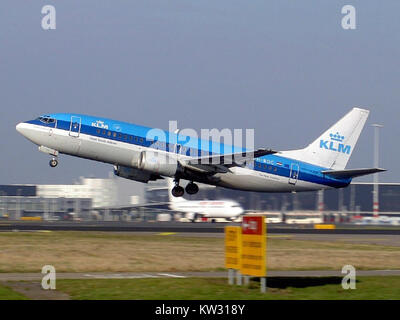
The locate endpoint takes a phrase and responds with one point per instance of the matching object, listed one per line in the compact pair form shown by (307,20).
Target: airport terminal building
(62,201)
(23,201)
(56,201)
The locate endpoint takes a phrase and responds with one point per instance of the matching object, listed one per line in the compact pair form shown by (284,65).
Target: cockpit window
(46,119)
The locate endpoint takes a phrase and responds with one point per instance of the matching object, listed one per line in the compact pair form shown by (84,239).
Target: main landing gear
(178,191)
(53,162)
(192,188)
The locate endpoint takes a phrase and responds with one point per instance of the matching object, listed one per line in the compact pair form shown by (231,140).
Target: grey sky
(285,68)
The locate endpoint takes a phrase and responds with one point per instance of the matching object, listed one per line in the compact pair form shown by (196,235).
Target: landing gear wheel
(53,163)
(192,188)
(178,191)
(195,216)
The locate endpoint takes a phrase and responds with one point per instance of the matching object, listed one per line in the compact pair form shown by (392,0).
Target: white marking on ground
(171,275)
(119,276)
(388,270)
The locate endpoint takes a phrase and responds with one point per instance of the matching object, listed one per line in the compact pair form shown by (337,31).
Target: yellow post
(232,247)
(233,243)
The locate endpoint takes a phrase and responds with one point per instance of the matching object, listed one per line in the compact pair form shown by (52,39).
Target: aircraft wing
(352,173)
(222,162)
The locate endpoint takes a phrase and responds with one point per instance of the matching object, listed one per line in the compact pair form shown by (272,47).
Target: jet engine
(134,174)
(158,163)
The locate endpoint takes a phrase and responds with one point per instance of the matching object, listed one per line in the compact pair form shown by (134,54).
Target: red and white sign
(252,225)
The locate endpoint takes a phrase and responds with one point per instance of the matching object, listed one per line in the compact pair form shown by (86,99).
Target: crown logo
(336,137)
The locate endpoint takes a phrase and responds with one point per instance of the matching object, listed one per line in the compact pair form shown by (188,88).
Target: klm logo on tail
(335,144)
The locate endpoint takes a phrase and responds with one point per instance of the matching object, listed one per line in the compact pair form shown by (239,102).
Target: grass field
(328,288)
(130,252)
(125,252)
(7,293)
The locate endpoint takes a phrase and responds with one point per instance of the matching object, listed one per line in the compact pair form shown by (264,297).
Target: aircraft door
(294,173)
(75,126)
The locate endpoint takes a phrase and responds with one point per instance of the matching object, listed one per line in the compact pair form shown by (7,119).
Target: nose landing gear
(53,162)
(54,153)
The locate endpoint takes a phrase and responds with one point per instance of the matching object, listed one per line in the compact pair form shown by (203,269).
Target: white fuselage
(126,154)
(209,208)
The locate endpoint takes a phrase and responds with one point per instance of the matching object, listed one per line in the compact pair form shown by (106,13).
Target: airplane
(138,154)
(212,209)
(192,209)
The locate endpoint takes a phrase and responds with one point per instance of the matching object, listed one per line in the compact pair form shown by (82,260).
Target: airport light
(18,205)
(375,193)
(2,197)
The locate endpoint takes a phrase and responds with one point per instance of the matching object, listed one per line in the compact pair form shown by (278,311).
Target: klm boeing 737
(143,154)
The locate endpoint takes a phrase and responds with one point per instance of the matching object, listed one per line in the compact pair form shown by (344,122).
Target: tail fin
(335,146)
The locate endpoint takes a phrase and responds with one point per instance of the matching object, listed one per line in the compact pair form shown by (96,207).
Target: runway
(201,227)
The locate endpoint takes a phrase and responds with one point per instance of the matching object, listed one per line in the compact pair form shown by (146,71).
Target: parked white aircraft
(213,209)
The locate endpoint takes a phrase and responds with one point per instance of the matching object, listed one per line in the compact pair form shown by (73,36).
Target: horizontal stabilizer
(351,173)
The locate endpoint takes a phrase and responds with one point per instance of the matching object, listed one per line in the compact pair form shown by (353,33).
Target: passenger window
(104,132)
(114,134)
(109,133)
(98,131)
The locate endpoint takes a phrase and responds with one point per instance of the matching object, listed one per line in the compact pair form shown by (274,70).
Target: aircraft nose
(22,128)
(19,127)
